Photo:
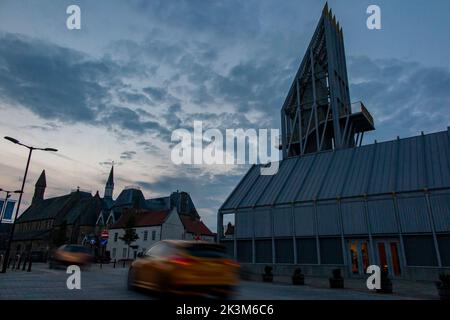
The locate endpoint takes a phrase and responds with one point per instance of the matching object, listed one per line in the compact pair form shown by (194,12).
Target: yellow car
(185,267)
(69,254)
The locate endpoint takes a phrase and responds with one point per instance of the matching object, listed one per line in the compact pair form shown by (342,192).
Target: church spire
(39,188)
(109,187)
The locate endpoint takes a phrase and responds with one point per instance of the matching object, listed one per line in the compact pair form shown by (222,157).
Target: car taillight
(183,261)
(231,263)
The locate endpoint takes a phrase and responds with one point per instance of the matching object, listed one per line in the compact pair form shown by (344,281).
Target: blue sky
(137,70)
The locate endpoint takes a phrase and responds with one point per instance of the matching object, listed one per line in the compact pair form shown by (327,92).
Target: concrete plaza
(110,283)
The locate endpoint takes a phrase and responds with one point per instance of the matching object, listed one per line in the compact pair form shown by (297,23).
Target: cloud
(67,86)
(127,155)
(128,119)
(155,93)
(197,182)
(48,126)
(134,98)
(404,97)
(108,163)
(222,18)
(53,82)
(229,64)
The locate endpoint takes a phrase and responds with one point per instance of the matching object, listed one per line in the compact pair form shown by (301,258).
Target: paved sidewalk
(110,283)
(424,290)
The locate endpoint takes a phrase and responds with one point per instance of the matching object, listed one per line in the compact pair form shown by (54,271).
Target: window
(124,252)
(244,250)
(113,252)
(115,236)
(444,248)
(229,245)
(331,251)
(284,251)
(263,251)
(153,235)
(306,251)
(145,235)
(419,251)
(201,250)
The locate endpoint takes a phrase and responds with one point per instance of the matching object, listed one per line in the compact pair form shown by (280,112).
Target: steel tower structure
(317,113)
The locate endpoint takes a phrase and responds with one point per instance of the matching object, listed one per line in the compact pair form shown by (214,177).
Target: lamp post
(30,148)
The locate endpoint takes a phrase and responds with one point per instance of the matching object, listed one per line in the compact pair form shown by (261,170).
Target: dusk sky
(137,70)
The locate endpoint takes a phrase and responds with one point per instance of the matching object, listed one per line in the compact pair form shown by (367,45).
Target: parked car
(185,267)
(71,254)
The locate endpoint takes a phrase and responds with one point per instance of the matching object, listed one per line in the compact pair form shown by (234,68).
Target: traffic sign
(104,234)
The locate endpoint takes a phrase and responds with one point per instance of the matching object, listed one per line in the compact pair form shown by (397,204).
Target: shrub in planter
(298,277)
(337,281)
(267,276)
(443,286)
(386,283)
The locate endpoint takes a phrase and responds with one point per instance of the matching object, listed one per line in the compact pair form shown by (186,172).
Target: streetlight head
(18,191)
(51,149)
(12,139)
(1,189)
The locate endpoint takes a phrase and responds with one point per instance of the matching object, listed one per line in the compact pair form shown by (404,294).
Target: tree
(130,234)
(60,236)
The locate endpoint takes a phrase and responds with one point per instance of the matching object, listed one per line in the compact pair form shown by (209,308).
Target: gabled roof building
(84,216)
(335,203)
(36,228)
(152,226)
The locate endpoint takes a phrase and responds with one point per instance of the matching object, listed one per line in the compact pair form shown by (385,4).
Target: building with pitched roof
(37,227)
(151,226)
(84,217)
(335,203)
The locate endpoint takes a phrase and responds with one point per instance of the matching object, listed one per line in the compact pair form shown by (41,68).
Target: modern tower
(317,113)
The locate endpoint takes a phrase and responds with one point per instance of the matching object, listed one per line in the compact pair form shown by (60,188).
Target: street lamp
(8,192)
(30,148)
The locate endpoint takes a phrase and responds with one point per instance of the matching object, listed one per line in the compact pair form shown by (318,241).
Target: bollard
(101,264)
(9,262)
(1,259)
(19,260)
(114,266)
(29,264)
(123,263)
(14,263)
(24,263)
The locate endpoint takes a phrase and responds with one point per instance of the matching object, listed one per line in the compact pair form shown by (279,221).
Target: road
(110,283)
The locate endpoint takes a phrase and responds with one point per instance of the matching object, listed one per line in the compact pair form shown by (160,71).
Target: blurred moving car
(69,254)
(185,267)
